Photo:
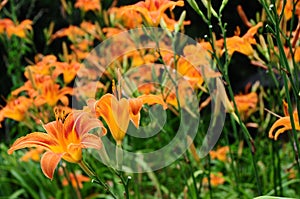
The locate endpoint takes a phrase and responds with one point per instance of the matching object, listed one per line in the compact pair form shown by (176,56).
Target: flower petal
(54,128)
(86,122)
(33,140)
(49,162)
(281,122)
(153,99)
(115,113)
(91,141)
(280,131)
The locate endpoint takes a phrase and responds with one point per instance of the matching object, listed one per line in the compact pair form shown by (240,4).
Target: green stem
(125,183)
(232,165)
(95,178)
(119,156)
(274,167)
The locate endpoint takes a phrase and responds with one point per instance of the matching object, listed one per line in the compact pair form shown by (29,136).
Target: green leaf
(271,197)
(24,184)
(16,194)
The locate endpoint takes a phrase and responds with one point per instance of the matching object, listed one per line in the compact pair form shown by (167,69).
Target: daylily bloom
(77,178)
(220,153)
(128,18)
(64,139)
(284,123)
(4,24)
(87,5)
(51,93)
(72,32)
(243,44)
(246,104)
(153,10)
(69,70)
(215,179)
(118,112)
(288,8)
(33,154)
(19,30)
(8,26)
(16,109)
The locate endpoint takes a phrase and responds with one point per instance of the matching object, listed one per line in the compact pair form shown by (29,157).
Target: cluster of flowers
(48,79)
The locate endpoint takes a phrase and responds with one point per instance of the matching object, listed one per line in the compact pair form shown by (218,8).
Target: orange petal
(153,99)
(280,131)
(285,108)
(85,122)
(91,141)
(52,128)
(49,162)
(115,113)
(281,122)
(135,105)
(32,140)
(74,153)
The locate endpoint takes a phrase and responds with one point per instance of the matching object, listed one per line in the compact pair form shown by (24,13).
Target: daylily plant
(64,139)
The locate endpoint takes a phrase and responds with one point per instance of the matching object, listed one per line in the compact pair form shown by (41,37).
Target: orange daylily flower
(128,18)
(118,113)
(33,154)
(142,57)
(16,109)
(288,9)
(220,153)
(4,24)
(243,44)
(185,68)
(19,30)
(215,179)
(89,28)
(153,10)
(284,123)
(147,88)
(69,70)
(246,104)
(77,178)
(72,32)
(51,94)
(8,26)
(109,31)
(87,5)
(64,139)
